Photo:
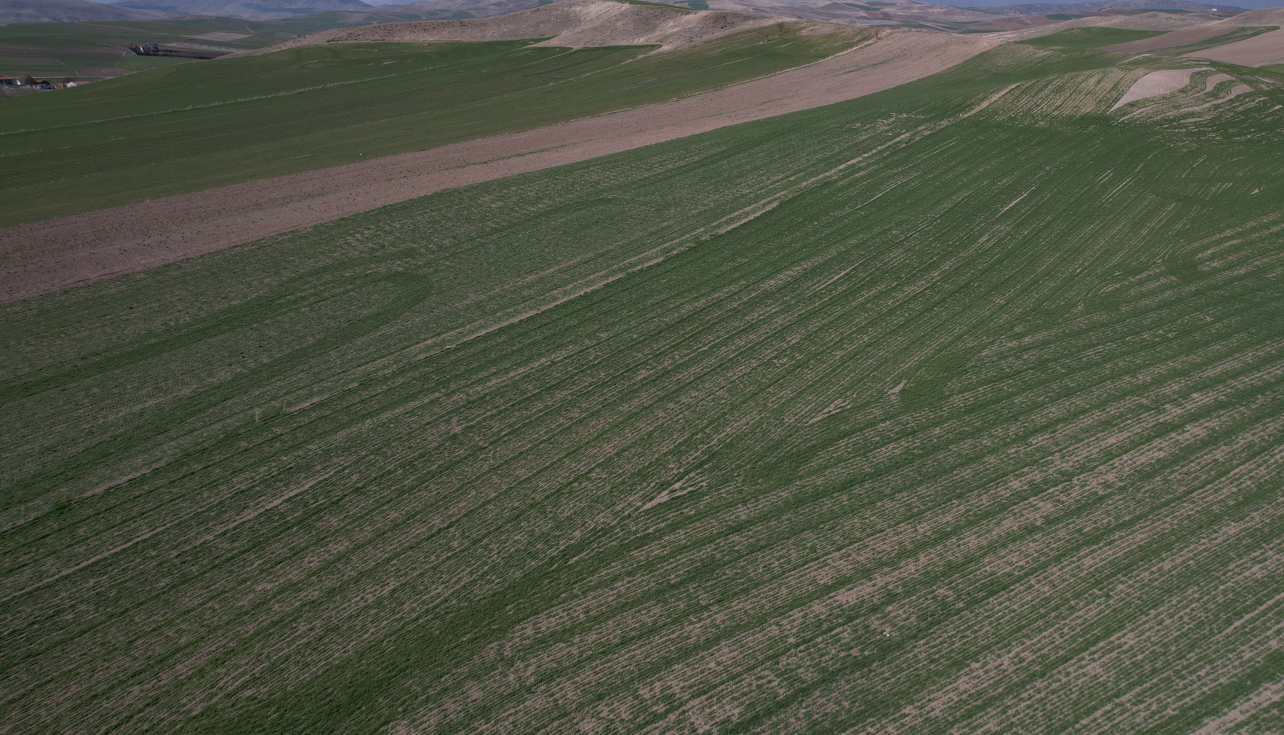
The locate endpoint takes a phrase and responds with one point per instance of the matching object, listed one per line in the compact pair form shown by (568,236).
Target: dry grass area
(56,254)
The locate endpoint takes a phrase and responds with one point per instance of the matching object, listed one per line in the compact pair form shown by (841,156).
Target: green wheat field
(193,127)
(958,408)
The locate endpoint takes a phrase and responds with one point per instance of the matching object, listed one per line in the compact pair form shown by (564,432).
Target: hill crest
(578,24)
(1097,6)
(249,9)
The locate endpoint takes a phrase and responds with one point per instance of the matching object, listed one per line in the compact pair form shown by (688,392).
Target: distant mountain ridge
(252,9)
(1097,6)
(69,11)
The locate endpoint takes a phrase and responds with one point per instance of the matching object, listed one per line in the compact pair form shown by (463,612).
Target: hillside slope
(1153,21)
(67,251)
(433,9)
(252,9)
(314,106)
(578,24)
(1097,6)
(1253,38)
(1265,49)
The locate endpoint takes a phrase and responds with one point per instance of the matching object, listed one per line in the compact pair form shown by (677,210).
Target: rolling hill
(253,9)
(279,113)
(1096,6)
(577,24)
(100,49)
(434,9)
(69,11)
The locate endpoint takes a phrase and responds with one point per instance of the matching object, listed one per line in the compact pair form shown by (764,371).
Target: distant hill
(69,11)
(435,9)
(578,24)
(1094,7)
(252,9)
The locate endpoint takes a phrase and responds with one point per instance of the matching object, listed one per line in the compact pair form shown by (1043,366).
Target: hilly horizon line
(987,4)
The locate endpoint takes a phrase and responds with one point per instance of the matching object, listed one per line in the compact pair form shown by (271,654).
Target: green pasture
(53,48)
(82,68)
(59,49)
(195,126)
(118,33)
(1084,39)
(900,415)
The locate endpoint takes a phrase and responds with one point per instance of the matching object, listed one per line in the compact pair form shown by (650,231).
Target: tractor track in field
(52,255)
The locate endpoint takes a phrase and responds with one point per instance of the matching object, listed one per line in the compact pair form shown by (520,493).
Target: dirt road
(56,254)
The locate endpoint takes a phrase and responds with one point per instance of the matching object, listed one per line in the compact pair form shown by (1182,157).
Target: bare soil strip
(48,256)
